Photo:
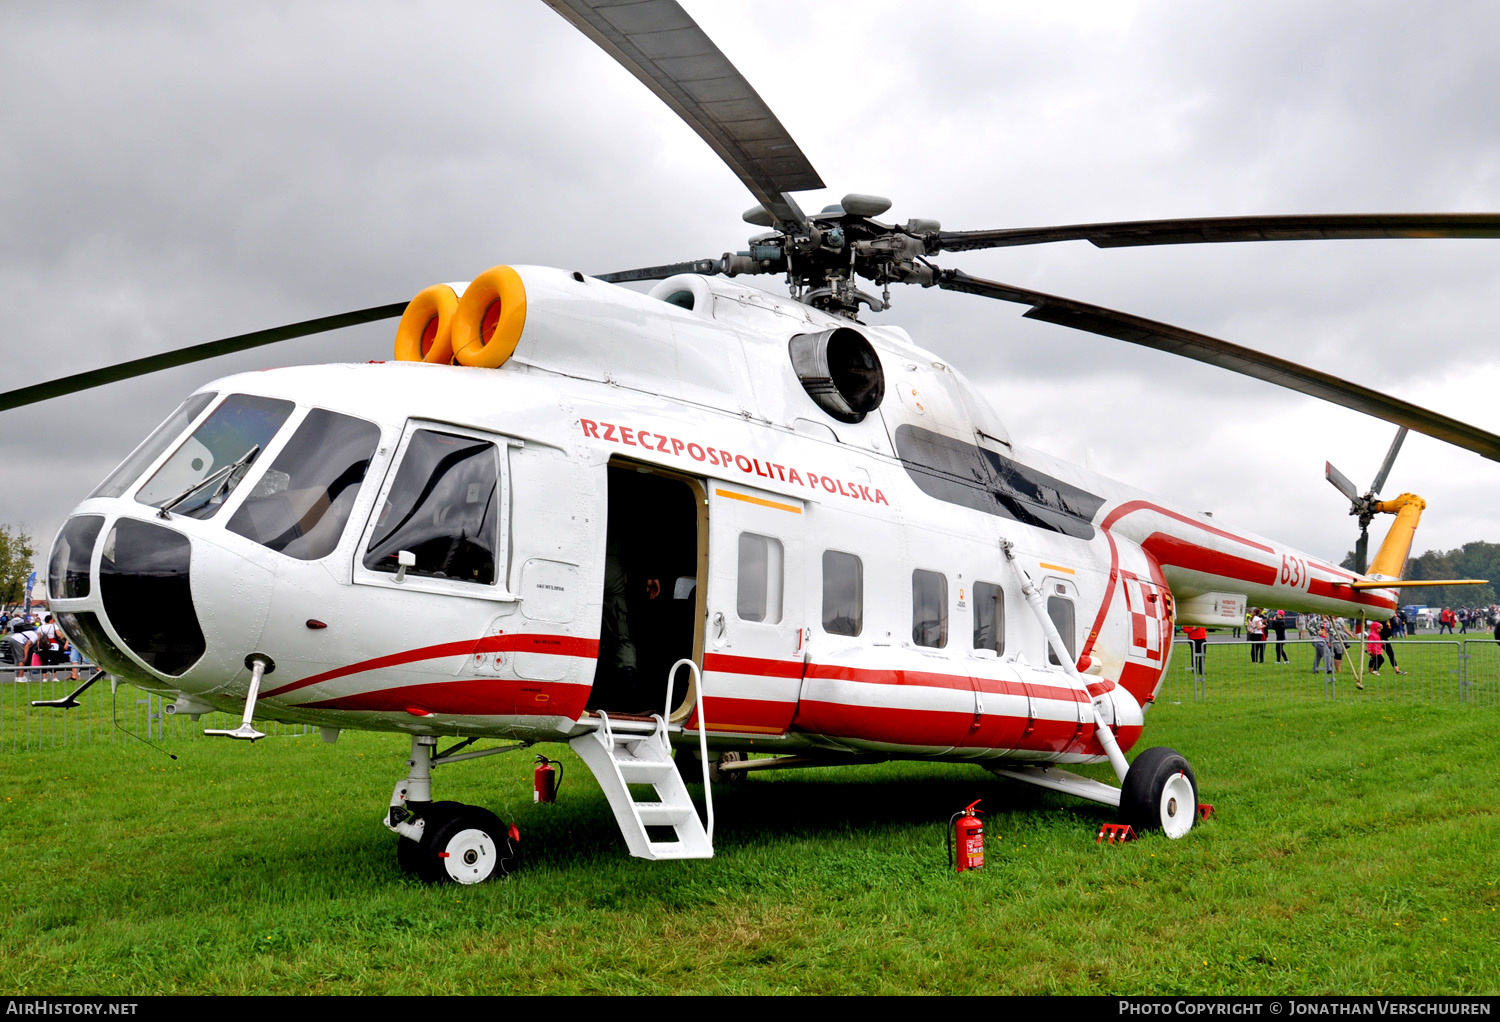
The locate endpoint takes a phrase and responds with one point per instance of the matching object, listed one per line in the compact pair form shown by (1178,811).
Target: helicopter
(752,456)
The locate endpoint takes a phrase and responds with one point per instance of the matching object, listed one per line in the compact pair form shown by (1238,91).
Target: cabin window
(301,504)
(760,579)
(442,508)
(204,470)
(1060,610)
(989,617)
(843,593)
(929,608)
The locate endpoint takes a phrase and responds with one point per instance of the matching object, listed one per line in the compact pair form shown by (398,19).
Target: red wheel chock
(1115,833)
(1205,810)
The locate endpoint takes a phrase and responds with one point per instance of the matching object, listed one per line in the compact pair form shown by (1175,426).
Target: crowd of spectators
(31,643)
(1332,637)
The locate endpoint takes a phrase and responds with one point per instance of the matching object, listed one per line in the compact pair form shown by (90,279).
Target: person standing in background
(1373,647)
(1387,630)
(1322,655)
(1278,623)
(1199,636)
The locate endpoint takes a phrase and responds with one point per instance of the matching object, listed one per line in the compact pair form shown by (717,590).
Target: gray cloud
(176,172)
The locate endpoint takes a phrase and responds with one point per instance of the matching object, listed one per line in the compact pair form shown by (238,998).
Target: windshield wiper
(222,476)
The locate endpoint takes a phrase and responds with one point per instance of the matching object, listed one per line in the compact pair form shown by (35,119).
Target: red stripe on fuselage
(723,663)
(496,697)
(1179,553)
(1130,507)
(524,642)
(1342,591)
(930,679)
(957,729)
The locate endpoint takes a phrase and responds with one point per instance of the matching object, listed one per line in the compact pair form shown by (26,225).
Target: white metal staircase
(622,753)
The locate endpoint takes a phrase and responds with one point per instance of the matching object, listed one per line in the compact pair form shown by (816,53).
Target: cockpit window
(131,468)
(202,473)
(442,509)
(302,503)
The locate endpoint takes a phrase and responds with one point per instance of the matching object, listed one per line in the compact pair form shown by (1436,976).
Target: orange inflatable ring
(490,318)
(425,333)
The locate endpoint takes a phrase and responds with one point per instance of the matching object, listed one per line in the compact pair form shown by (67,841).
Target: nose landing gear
(447,842)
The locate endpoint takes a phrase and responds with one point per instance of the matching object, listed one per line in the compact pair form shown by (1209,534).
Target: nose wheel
(460,844)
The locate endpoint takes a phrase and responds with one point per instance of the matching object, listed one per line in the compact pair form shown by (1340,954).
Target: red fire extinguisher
(545,780)
(965,829)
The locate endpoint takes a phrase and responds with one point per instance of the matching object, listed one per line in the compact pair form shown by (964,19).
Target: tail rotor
(1363,507)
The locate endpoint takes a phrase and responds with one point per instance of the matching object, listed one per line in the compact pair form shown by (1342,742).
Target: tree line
(17,554)
(1477,559)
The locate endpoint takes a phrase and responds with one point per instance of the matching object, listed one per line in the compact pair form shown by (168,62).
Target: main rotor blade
(1341,482)
(1311,227)
(708,267)
(1390,459)
(659,43)
(195,353)
(1123,326)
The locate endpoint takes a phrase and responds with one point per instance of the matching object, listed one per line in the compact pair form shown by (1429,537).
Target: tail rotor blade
(1341,482)
(1390,459)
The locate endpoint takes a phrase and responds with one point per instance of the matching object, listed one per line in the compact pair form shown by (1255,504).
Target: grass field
(1353,850)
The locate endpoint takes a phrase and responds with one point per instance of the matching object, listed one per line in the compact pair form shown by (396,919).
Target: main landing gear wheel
(462,844)
(691,767)
(1160,793)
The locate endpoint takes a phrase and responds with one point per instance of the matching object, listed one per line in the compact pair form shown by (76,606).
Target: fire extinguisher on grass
(545,781)
(965,829)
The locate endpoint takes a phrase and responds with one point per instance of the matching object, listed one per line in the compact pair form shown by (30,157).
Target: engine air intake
(426,330)
(490,318)
(840,371)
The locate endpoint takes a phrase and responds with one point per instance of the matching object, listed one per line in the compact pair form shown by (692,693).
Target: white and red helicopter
(707,517)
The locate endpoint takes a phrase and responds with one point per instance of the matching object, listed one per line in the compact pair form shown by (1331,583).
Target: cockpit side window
(301,504)
(442,508)
(131,468)
(202,473)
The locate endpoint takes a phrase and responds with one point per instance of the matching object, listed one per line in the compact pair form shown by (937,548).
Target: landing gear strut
(446,842)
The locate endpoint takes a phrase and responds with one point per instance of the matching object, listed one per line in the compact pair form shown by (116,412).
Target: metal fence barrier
(1442,670)
(101,715)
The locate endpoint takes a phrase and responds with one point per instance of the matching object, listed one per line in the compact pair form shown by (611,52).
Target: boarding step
(620,755)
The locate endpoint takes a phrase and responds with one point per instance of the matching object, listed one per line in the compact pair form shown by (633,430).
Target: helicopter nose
(145,593)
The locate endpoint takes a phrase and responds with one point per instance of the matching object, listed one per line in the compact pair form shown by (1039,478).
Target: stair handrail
(697,677)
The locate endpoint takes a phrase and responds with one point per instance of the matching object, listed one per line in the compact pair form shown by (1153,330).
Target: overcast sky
(176,172)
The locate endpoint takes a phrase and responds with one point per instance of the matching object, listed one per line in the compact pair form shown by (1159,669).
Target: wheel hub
(472,857)
(1177,805)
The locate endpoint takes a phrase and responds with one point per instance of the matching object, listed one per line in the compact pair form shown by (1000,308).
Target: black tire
(409,852)
(468,845)
(731,777)
(689,766)
(1153,796)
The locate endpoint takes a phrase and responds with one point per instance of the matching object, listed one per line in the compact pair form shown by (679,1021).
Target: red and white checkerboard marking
(1145,617)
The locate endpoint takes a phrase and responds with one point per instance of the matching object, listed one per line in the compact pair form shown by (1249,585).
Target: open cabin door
(756,622)
(656,558)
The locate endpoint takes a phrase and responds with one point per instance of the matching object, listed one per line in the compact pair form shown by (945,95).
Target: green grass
(1352,851)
